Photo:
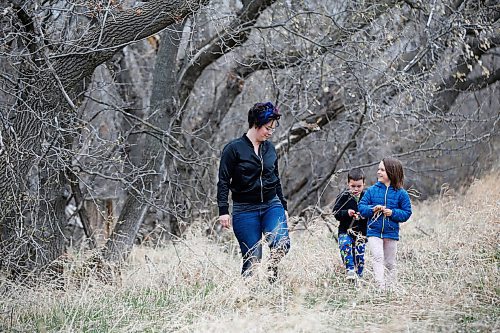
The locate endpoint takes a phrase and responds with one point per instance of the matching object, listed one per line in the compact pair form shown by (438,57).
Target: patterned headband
(269,112)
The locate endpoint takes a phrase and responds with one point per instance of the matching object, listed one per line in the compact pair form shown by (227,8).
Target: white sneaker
(351,275)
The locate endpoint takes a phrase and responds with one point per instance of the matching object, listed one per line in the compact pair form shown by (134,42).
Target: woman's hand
(225,221)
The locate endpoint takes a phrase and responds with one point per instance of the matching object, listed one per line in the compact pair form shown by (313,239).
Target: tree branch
(236,78)
(479,82)
(453,85)
(235,82)
(312,123)
(79,61)
(79,200)
(236,34)
(327,178)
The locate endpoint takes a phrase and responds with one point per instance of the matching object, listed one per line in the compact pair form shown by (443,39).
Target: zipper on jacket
(385,205)
(261,172)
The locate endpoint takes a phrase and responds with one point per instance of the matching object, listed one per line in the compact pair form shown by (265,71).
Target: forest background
(114,113)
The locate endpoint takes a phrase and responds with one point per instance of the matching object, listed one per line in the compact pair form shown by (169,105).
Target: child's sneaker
(351,275)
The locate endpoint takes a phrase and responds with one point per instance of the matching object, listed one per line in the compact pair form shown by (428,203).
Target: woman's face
(266,131)
(382,174)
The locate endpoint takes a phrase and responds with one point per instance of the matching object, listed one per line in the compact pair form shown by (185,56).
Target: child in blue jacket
(386,204)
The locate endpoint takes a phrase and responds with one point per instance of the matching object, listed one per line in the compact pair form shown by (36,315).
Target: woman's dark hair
(262,113)
(394,170)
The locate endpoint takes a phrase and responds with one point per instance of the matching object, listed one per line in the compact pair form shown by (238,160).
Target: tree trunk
(32,187)
(162,115)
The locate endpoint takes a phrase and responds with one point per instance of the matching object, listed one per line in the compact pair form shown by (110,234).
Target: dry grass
(448,281)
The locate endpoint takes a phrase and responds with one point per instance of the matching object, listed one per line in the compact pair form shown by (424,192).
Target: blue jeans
(250,222)
(352,251)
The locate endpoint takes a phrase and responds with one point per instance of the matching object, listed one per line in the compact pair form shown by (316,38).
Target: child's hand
(353,213)
(378,208)
(387,212)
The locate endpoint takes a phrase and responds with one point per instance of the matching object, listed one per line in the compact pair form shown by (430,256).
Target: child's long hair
(394,170)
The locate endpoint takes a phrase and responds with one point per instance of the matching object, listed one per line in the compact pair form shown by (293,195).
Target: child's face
(356,186)
(382,174)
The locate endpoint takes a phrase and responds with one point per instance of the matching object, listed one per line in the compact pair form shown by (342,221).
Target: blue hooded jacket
(397,200)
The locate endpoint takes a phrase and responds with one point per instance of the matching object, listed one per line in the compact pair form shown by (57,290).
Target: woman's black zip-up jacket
(251,178)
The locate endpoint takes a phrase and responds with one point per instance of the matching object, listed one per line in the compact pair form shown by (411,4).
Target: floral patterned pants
(352,251)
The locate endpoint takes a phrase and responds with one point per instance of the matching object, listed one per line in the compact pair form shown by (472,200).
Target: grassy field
(448,264)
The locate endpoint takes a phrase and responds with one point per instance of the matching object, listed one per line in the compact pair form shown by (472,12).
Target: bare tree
(44,76)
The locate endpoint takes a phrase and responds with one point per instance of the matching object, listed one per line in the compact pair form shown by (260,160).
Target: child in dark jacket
(386,204)
(352,227)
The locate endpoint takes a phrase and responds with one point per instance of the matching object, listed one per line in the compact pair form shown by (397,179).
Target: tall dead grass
(448,265)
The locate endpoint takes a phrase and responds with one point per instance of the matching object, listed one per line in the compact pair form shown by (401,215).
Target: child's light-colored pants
(384,254)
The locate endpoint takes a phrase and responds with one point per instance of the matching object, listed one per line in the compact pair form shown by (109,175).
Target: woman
(249,168)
